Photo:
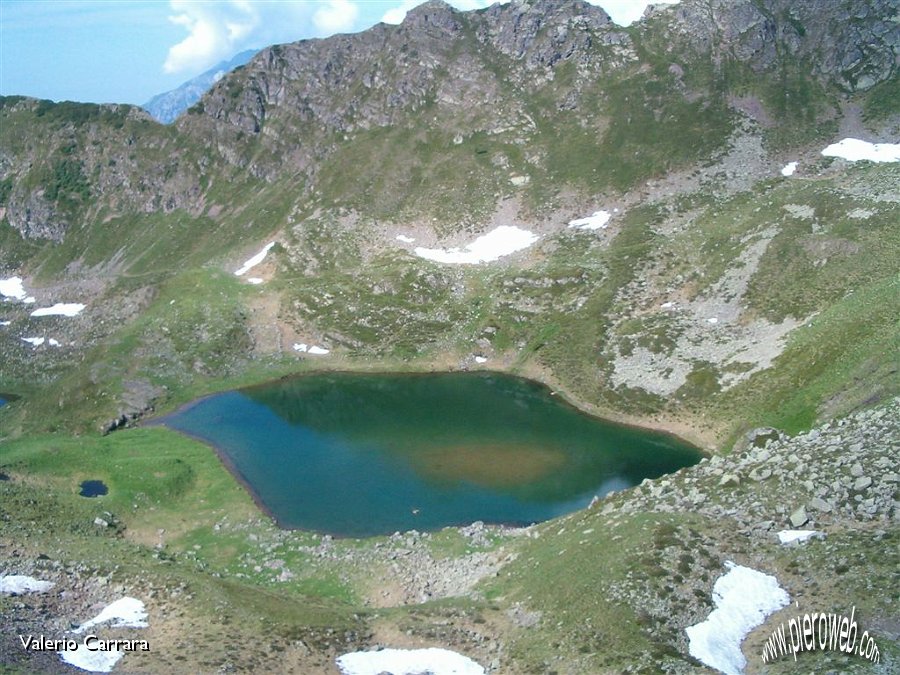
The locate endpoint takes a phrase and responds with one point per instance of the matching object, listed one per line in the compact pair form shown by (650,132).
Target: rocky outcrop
(80,159)
(468,68)
(853,45)
(841,472)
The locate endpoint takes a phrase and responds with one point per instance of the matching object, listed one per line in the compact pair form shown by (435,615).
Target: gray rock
(760,474)
(856,470)
(862,483)
(820,505)
(799,517)
(730,480)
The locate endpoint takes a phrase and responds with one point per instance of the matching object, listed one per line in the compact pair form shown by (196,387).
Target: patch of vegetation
(66,182)
(6,186)
(882,100)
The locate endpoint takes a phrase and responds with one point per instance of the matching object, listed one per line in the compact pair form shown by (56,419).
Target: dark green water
(359,455)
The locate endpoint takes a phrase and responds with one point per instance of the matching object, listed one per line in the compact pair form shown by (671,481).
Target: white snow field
(432,661)
(743,599)
(60,309)
(854,150)
(93,662)
(404,239)
(789,169)
(499,242)
(124,613)
(36,341)
(255,260)
(20,583)
(310,349)
(596,221)
(14,288)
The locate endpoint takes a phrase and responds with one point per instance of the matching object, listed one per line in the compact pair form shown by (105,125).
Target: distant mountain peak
(166,107)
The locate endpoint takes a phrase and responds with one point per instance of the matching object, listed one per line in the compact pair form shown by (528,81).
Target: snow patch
(798,536)
(408,662)
(596,221)
(13,288)
(497,243)
(254,280)
(255,260)
(789,169)
(60,309)
(713,320)
(310,349)
(5,323)
(480,359)
(743,599)
(20,583)
(36,341)
(854,150)
(53,342)
(405,239)
(93,662)
(124,613)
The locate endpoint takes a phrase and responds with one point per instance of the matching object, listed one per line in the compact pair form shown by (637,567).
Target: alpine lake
(358,455)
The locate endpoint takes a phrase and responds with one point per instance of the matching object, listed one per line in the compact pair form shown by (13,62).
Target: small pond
(7,398)
(93,488)
(360,455)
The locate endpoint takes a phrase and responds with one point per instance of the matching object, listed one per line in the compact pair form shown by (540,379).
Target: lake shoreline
(615,439)
(684,432)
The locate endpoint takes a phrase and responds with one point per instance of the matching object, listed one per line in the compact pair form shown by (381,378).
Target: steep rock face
(472,70)
(853,45)
(466,68)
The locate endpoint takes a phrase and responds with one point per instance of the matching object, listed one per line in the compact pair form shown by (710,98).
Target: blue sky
(126,51)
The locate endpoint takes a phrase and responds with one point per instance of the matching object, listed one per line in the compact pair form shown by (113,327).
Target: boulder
(730,480)
(799,517)
(862,483)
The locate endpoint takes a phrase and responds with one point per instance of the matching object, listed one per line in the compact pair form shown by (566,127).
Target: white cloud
(625,12)
(398,13)
(218,30)
(215,32)
(336,16)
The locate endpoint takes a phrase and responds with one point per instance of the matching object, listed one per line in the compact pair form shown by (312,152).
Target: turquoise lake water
(360,455)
